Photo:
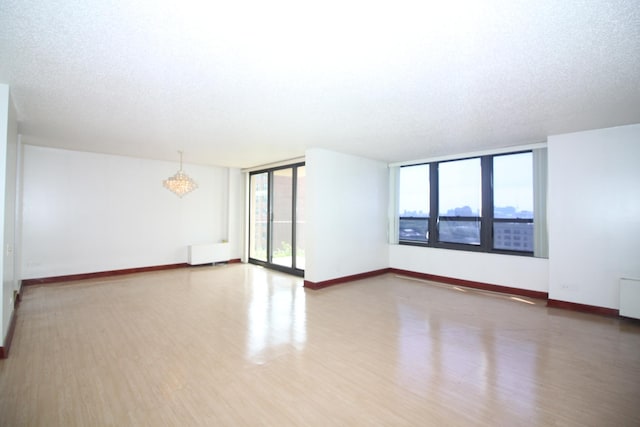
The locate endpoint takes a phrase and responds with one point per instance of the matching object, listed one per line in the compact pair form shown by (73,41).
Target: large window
(481,204)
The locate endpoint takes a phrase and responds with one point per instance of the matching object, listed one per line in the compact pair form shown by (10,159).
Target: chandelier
(180,183)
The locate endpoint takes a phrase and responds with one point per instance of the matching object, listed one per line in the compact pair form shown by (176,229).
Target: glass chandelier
(180,183)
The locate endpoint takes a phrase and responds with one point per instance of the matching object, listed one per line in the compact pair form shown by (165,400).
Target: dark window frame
(486,218)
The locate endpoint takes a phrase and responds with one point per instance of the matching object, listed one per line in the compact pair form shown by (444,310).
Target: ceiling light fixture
(180,183)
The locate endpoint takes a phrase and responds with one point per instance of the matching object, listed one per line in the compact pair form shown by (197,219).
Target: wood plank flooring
(240,345)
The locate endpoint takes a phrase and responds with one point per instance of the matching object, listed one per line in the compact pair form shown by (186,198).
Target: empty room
(409,213)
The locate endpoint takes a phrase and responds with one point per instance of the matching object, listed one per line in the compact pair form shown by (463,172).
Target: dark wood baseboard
(4,349)
(319,285)
(433,278)
(585,308)
(83,276)
(234,261)
(472,284)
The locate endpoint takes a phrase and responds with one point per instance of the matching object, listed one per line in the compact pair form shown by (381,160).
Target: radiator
(630,298)
(208,253)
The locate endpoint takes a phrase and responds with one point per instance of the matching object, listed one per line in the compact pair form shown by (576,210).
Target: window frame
(486,218)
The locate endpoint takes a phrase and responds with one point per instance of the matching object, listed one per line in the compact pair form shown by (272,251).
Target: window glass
(513,186)
(414,203)
(513,236)
(414,229)
(460,188)
(467,232)
(414,191)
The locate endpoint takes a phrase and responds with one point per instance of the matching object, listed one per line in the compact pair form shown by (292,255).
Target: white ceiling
(241,83)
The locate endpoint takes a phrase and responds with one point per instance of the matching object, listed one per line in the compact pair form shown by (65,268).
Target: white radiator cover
(208,253)
(630,298)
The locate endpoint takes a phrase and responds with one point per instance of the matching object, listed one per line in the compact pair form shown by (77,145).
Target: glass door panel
(282,219)
(259,216)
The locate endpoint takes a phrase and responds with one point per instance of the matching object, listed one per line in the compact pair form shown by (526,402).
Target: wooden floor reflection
(241,345)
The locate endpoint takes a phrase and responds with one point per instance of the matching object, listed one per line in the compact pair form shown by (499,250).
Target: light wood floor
(240,345)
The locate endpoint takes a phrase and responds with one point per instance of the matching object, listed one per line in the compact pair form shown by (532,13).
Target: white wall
(504,270)
(594,214)
(87,212)
(8,153)
(346,209)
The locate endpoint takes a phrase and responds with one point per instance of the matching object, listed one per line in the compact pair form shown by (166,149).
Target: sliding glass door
(282,218)
(259,216)
(276,218)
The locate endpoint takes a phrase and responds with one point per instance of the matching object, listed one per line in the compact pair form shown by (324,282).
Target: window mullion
(486,216)
(434,210)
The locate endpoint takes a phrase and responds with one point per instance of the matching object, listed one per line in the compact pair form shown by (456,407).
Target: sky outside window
(460,186)
(414,191)
(513,186)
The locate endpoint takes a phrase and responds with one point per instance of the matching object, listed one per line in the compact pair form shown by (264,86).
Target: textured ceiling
(242,83)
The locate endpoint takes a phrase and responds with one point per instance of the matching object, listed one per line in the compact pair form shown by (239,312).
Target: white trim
(511,149)
(394,190)
(540,184)
(275,164)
